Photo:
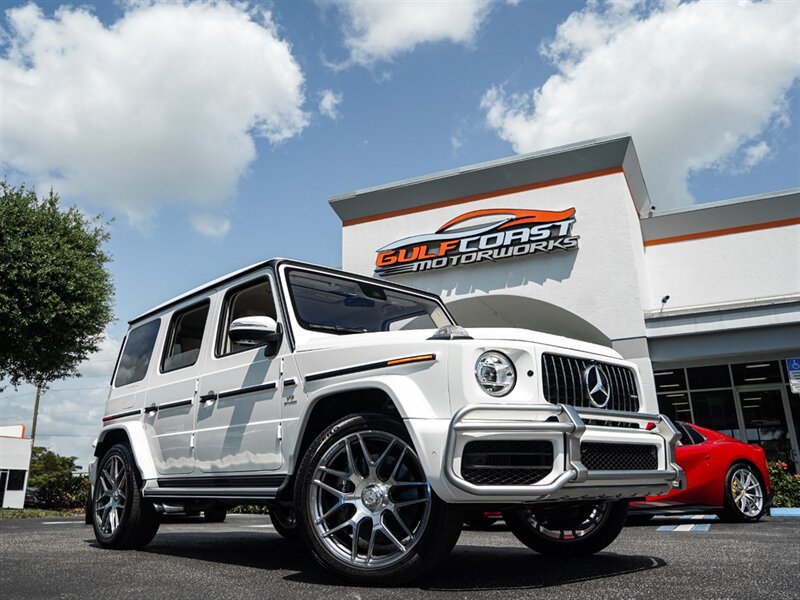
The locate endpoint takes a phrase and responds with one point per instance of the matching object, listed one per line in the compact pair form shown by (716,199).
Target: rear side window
(185,335)
(254,299)
(136,355)
(697,437)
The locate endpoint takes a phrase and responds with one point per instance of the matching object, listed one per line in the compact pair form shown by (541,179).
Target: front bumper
(565,427)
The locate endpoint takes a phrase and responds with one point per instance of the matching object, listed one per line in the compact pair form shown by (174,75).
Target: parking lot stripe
(685,527)
(61,522)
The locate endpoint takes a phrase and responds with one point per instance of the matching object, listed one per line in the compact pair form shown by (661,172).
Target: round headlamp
(495,373)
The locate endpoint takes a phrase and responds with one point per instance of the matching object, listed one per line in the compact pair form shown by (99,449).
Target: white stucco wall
(601,281)
(724,269)
(15,453)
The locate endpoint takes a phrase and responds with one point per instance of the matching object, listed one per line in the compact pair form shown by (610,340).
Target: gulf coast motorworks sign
(495,234)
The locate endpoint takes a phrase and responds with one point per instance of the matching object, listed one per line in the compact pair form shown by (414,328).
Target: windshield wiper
(334,328)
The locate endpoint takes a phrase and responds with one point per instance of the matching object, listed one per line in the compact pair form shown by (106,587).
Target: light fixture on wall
(664,301)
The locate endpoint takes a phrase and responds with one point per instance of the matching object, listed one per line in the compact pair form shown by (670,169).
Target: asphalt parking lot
(245,558)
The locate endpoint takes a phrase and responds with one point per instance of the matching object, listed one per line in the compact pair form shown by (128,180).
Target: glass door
(766,423)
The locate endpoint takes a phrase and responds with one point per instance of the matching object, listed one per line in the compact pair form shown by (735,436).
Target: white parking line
(264,526)
(62,522)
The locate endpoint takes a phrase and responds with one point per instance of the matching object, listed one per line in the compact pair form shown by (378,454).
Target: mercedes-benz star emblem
(597,384)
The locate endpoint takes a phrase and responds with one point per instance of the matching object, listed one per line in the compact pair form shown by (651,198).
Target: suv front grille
(597,456)
(563,382)
(506,462)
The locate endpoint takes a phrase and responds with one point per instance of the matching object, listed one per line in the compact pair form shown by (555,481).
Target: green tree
(55,292)
(52,476)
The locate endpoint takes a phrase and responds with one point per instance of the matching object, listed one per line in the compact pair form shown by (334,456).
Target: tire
(572,530)
(284,520)
(745,500)
(88,512)
(215,515)
(365,507)
(123,519)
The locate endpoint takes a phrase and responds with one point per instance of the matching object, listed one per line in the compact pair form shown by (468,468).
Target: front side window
(338,305)
(136,355)
(251,300)
(185,335)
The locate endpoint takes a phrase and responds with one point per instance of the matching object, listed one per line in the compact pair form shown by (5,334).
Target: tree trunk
(36,411)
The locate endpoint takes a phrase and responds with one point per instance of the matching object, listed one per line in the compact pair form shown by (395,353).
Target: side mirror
(254,331)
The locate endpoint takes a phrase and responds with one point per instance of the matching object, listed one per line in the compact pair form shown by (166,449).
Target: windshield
(339,305)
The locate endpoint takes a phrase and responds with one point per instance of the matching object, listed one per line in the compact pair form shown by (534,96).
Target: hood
(484,334)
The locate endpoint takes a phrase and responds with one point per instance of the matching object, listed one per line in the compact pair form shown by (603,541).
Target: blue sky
(215,133)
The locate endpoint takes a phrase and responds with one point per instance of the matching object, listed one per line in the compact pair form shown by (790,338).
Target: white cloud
(379,31)
(163,106)
(210,225)
(692,83)
(329,102)
(755,154)
(101,363)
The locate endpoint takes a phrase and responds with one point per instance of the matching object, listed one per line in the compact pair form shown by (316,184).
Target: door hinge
(280,432)
(191,441)
(281,368)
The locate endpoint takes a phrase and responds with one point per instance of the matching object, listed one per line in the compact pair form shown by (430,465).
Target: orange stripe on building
(717,232)
(483,196)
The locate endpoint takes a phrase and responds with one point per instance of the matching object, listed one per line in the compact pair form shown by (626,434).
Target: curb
(785,512)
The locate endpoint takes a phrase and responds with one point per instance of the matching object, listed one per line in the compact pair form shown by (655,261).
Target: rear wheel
(572,530)
(744,495)
(215,515)
(284,520)
(365,507)
(122,518)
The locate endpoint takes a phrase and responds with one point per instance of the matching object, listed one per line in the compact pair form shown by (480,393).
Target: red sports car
(724,476)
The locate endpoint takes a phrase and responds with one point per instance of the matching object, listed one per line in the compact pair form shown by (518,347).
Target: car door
(170,404)
(238,415)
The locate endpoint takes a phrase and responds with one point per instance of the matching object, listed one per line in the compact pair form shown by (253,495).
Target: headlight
(495,373)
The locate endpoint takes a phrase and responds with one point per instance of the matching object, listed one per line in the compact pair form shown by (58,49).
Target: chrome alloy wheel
(746,492)
(369,499)
(579,524)
(111,495)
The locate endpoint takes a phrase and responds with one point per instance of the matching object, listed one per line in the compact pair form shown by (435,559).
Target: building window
(704,378)
(716,410)
(756,373)
(675,406)
(673,380)
(16,480)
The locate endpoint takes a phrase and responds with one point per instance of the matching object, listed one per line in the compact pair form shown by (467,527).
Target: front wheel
(122,518)
(571,530)
(365,507)
(744,495)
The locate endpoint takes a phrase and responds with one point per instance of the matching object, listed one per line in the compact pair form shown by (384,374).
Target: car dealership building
(705,299)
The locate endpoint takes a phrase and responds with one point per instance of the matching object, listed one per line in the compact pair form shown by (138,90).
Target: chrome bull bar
(570,423)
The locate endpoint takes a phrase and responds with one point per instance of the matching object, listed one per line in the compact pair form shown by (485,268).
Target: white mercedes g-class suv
(368,421)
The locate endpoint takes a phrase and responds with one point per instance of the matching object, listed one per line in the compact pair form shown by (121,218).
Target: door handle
(209,397)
